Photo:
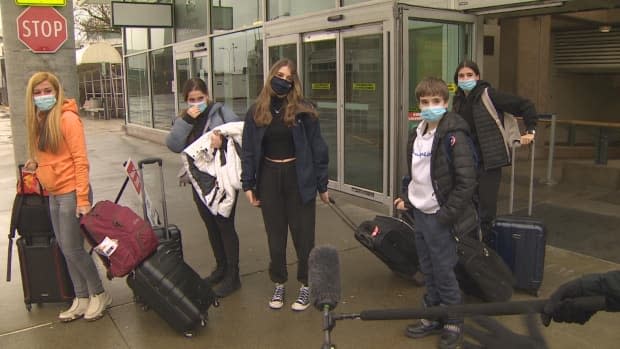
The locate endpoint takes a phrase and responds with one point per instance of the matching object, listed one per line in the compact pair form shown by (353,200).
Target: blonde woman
(57,151)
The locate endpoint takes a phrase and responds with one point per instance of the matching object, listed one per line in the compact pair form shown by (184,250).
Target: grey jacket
(218,114)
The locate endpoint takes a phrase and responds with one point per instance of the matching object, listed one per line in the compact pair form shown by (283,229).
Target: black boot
(217,275)
(230,284)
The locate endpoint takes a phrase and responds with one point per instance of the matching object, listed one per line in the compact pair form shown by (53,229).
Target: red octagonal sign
(42,29)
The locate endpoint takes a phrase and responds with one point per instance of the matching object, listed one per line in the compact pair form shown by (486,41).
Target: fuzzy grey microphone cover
(324,277)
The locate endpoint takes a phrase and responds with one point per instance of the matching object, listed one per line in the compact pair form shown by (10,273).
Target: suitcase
(168,234)
(166,284)
(521,241)
(391,239)
(45,278)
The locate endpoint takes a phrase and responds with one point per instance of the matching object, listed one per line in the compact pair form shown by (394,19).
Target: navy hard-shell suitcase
(166,284)
(521,241)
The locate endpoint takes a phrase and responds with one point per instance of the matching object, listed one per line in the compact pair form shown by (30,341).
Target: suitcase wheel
(145,307)
(29,307)
(203,323)
(188,334)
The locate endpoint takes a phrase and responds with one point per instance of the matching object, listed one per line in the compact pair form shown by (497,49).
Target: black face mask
(280,86)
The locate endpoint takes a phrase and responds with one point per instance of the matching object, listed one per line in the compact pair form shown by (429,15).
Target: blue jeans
(86,281)
(437,254)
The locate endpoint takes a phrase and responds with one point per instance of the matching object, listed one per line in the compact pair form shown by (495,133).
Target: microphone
(324,282)
(324,277)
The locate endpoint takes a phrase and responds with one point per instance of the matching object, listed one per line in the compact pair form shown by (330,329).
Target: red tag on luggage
(29,184)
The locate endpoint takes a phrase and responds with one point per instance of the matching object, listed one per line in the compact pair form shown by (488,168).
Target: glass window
(162,85)
(282,51)
(138,91)
(238,69)
(435,49)
(161,37)
(136,40)
(351,2)
(285,8)
(182,67)
(233,14)
(190,19)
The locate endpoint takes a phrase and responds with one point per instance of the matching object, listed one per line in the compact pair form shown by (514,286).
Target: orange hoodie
(67,170)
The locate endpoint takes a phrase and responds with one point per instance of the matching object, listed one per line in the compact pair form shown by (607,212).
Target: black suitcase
(166,284)
(45,278)
(521,241)
(391,239)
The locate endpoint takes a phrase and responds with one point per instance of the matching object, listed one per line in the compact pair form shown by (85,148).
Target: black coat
(486,135)
(310,150)
(453,173)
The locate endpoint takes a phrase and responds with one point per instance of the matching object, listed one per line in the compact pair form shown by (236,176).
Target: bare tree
(94,21)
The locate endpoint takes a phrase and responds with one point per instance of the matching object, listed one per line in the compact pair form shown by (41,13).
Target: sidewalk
(243,320)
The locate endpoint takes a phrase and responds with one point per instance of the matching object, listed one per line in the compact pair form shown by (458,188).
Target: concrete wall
(525,59)
(491,62)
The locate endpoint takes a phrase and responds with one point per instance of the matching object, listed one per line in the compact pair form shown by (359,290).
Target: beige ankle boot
(76,311)
(98,304)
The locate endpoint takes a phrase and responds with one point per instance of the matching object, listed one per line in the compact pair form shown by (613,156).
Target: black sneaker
(423,328)
(303,300)
(277,300)
(451,337)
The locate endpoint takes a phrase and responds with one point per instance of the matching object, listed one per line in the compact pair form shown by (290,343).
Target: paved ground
(243,319)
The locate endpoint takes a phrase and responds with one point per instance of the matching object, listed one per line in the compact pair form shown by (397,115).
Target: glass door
(345,75)
(182,74)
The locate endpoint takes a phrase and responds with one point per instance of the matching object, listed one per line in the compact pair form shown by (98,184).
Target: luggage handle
(340,213)
(9,258)
(514,147)
(159,161)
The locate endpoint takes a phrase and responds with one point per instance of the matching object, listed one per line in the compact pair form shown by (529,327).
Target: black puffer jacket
(453,174)
(485,133)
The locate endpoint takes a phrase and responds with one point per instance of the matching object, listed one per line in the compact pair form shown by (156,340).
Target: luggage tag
(107,247)
(375,231)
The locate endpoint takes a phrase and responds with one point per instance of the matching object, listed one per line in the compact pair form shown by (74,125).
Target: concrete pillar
(21,63)
(525,59)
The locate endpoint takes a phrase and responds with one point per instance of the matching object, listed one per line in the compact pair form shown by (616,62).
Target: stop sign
(42,29)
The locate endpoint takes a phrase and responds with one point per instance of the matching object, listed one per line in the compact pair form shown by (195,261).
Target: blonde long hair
(294,100)
(44,133)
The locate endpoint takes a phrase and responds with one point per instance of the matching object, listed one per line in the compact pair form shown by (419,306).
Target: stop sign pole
(42,29)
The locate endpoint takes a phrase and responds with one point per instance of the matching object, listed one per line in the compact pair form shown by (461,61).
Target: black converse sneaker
(277,300)
(303,301)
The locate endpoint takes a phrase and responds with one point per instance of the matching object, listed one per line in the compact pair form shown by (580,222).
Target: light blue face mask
(467,85)
(202,106)
(433,114)
(45,102)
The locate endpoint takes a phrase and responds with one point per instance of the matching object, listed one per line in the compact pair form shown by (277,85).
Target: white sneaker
(277,300)
(303,301)
(96,307)
(76,311)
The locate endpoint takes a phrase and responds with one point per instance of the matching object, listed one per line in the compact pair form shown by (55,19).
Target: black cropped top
(278,140)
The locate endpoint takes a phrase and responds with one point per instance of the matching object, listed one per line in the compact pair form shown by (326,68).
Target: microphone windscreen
(324,277)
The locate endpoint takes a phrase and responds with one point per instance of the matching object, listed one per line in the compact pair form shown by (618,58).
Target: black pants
(222,235)
(282,209)
(488,189)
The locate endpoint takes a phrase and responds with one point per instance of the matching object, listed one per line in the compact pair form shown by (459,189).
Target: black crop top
(278,140)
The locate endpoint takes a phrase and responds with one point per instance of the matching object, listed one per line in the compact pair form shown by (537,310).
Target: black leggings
(282,209)
(488,189)
(222,234)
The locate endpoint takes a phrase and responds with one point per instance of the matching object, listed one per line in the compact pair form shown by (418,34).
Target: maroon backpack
(119,235)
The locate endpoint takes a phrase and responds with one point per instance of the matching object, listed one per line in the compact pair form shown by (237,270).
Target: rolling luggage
(164,282)
(521,241)
(44,274)
(45,278)
(391,239)
(168,234)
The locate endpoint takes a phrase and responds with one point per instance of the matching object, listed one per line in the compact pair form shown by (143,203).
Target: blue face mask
(202,106)
(467,85)
(433,114)
(45,102)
